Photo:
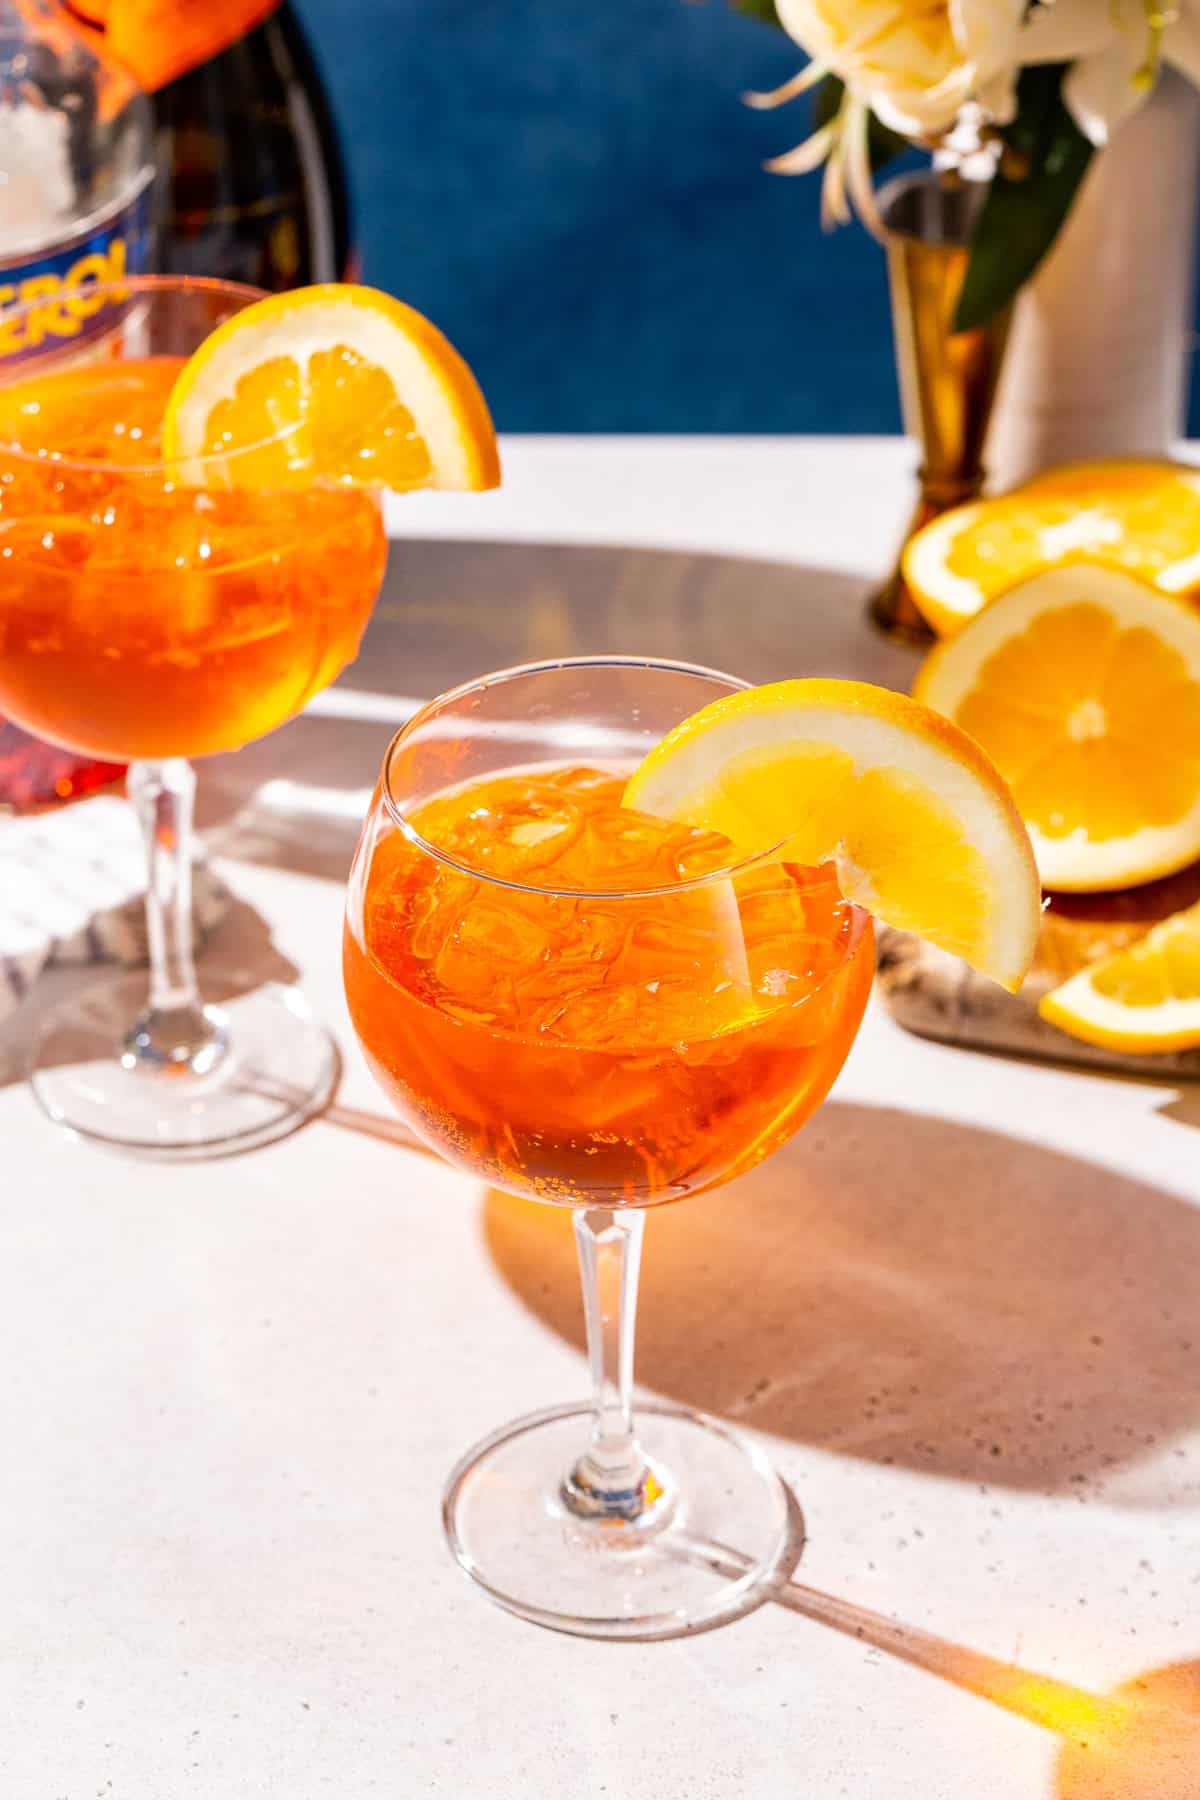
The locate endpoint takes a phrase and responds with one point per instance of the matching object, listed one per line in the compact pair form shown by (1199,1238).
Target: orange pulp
(623,1050)
(141,617)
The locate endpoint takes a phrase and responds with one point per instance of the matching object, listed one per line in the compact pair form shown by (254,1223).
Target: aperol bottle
(254,185)
(77,174)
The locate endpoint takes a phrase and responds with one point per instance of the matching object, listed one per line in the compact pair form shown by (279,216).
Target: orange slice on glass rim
(921,827)
(335,383)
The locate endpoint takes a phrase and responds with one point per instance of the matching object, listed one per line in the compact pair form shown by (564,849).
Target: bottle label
(159,40)
(58,284)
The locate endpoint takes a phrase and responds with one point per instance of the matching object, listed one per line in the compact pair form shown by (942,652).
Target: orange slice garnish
(334,383)
(921,827)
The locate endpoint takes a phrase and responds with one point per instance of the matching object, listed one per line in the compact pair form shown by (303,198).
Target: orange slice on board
(1142,517)
(1146,998)
(1083,686)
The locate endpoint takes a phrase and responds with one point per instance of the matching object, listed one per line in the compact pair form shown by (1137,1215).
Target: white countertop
(964,1304)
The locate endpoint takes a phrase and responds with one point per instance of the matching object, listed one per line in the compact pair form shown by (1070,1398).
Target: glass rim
(131,286)
(430,710)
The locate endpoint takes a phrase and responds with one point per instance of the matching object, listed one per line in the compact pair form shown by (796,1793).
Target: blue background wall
(574,191)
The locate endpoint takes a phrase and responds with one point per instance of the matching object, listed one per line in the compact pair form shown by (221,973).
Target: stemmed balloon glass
(150,614)
(595,1009)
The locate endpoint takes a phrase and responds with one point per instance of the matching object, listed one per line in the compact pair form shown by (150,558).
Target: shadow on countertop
(451,611)
(914,1291)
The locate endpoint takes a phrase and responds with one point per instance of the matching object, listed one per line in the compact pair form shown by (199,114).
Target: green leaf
(883,144)
(827,97)
(758,9)
(1024,211)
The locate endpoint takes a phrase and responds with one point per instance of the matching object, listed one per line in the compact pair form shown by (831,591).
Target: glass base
(725,1534)
(280,1067)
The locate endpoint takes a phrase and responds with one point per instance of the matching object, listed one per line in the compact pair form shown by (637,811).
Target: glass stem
(612,1479)
(174,1031)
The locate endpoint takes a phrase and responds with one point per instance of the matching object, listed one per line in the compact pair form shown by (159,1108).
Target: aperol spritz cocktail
(594,1008)
(145,617)
(626,1051)
(150,612)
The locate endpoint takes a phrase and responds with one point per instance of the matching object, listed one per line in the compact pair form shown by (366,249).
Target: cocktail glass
(598,1010)
(151,613)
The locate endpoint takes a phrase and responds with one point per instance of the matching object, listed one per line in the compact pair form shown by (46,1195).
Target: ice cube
(435,908)
(482,958)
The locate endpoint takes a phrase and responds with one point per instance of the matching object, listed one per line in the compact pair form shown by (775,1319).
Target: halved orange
(922,829)
(1143,999)
(332,383)
(1083,685)
(1139,516)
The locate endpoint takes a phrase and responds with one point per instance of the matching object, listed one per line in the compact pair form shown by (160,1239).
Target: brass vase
(947,378)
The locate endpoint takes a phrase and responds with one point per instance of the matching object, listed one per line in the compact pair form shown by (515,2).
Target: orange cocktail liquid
(142,617)
(626,1050)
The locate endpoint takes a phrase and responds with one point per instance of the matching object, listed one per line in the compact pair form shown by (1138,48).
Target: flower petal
(835,208)
(997,97)
(799,83)
(919,112)
(1103,89)
(807,155)
(986,33)
(806,25)
(1067,29)
(855,130)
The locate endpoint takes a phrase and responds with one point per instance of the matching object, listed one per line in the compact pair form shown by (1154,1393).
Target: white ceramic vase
(1098,355)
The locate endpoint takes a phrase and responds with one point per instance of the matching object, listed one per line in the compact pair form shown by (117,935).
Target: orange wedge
(335,383)
(1142,517)
(922,828)
(1143,999)
(1083,685)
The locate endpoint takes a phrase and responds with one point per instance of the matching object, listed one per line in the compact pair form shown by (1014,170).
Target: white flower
(1116,48)
(913,63)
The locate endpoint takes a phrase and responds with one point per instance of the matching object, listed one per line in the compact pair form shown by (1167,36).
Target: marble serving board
(937,996)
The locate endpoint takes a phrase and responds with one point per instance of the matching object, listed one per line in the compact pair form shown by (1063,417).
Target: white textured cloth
(72,886)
